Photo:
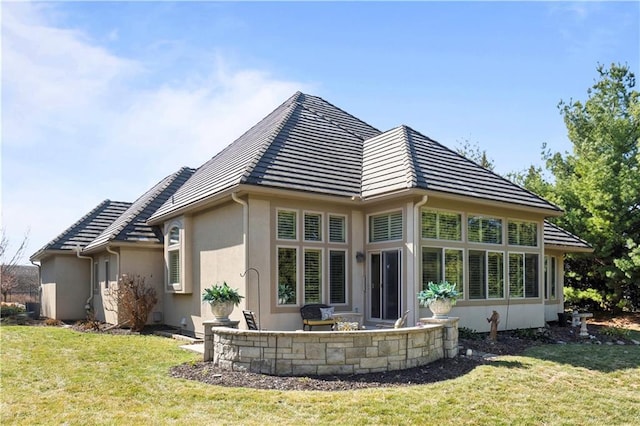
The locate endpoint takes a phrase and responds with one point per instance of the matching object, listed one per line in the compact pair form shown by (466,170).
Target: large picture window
(550,277)
(441,225)
(486,274)
(442,264)
(312,276)
(487,230)
(385,227)
(287,275)
(173,256)
(337,276)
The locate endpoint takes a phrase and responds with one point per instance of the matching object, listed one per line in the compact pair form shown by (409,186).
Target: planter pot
(222,310)
(440,308)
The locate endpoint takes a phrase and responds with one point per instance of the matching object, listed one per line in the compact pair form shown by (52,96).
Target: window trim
(296,212)
(320,227)
(346,228)
(385,213)
(183,286)
(298,291)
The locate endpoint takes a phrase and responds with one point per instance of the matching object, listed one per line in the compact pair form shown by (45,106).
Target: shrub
(615,332)
(10,310)
(467,333)
(588,299)
(133,300)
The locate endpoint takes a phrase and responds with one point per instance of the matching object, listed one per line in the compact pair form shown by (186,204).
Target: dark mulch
(509,343)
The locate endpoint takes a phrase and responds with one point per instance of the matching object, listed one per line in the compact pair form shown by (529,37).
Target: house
(314,205)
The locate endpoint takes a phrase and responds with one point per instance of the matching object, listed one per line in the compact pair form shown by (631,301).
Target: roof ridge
(165,183)
(412,176)
(272,137)
(327,119)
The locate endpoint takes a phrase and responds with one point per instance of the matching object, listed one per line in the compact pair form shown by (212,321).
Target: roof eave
(568,249)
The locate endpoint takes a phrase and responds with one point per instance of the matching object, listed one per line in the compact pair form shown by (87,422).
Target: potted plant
(222,299)
(439,298)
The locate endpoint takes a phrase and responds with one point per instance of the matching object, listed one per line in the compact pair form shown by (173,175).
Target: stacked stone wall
(302,353)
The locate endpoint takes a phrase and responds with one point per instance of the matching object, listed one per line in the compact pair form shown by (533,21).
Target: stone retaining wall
(302,353)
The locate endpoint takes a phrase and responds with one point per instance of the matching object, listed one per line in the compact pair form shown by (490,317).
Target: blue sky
(102,100)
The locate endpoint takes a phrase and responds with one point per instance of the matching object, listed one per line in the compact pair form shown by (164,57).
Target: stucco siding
(147,263)
(512,316)
(48,280)
(73,278)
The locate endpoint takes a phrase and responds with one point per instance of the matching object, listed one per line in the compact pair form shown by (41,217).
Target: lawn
(53,375)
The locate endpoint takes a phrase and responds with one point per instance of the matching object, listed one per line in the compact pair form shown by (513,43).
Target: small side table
(348,317)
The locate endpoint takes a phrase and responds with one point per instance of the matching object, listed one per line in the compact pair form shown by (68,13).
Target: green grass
(58,376)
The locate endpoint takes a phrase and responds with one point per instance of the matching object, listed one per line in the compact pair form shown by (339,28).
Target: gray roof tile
(86,229)
(132,226)
(307,144)
(556,236)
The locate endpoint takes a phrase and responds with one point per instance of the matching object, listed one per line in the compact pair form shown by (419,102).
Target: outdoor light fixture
(359,257)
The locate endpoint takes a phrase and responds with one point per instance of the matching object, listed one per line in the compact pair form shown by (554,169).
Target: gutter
(39,279)
(417,238)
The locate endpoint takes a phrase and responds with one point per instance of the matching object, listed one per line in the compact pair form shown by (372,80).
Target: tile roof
(132,225)
(305,144)
(404,158)
(556,236)
(308,144)
(86,229)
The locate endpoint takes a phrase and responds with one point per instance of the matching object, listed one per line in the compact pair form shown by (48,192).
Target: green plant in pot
(439,298)
(222,299)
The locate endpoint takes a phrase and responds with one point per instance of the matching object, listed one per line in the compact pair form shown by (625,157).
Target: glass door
(384,302)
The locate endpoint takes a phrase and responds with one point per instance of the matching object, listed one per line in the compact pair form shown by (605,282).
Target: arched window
(173,256)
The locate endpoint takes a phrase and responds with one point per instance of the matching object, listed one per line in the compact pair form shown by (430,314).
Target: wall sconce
(359,257)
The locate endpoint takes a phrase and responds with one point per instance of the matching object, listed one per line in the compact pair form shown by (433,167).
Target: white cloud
(76,129)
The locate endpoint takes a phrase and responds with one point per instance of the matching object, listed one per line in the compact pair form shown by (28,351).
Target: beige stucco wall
(48,287)
(147,263)
(216,255)
(72,280)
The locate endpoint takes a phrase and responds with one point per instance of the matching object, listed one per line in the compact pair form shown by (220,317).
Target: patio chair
(250,318)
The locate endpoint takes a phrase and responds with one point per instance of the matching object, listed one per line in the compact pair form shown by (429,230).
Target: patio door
(384,299)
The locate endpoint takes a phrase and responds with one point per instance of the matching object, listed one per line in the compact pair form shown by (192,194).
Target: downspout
(245,226)
(88,304)
(417,238)
(39,280)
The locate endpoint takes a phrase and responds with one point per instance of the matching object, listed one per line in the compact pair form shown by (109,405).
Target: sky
(103,100)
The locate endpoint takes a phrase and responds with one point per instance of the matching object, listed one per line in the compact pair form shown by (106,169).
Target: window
(106,274)
(385,227)
(287,225)
(312,276)
(523,233)
(486,230)
(173,256)
(312,227)
(337,229)
(486,274)
(287,274)
(550,277)
(440,264)
(516,275)
(531,275)
(441,225)
(337,276)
